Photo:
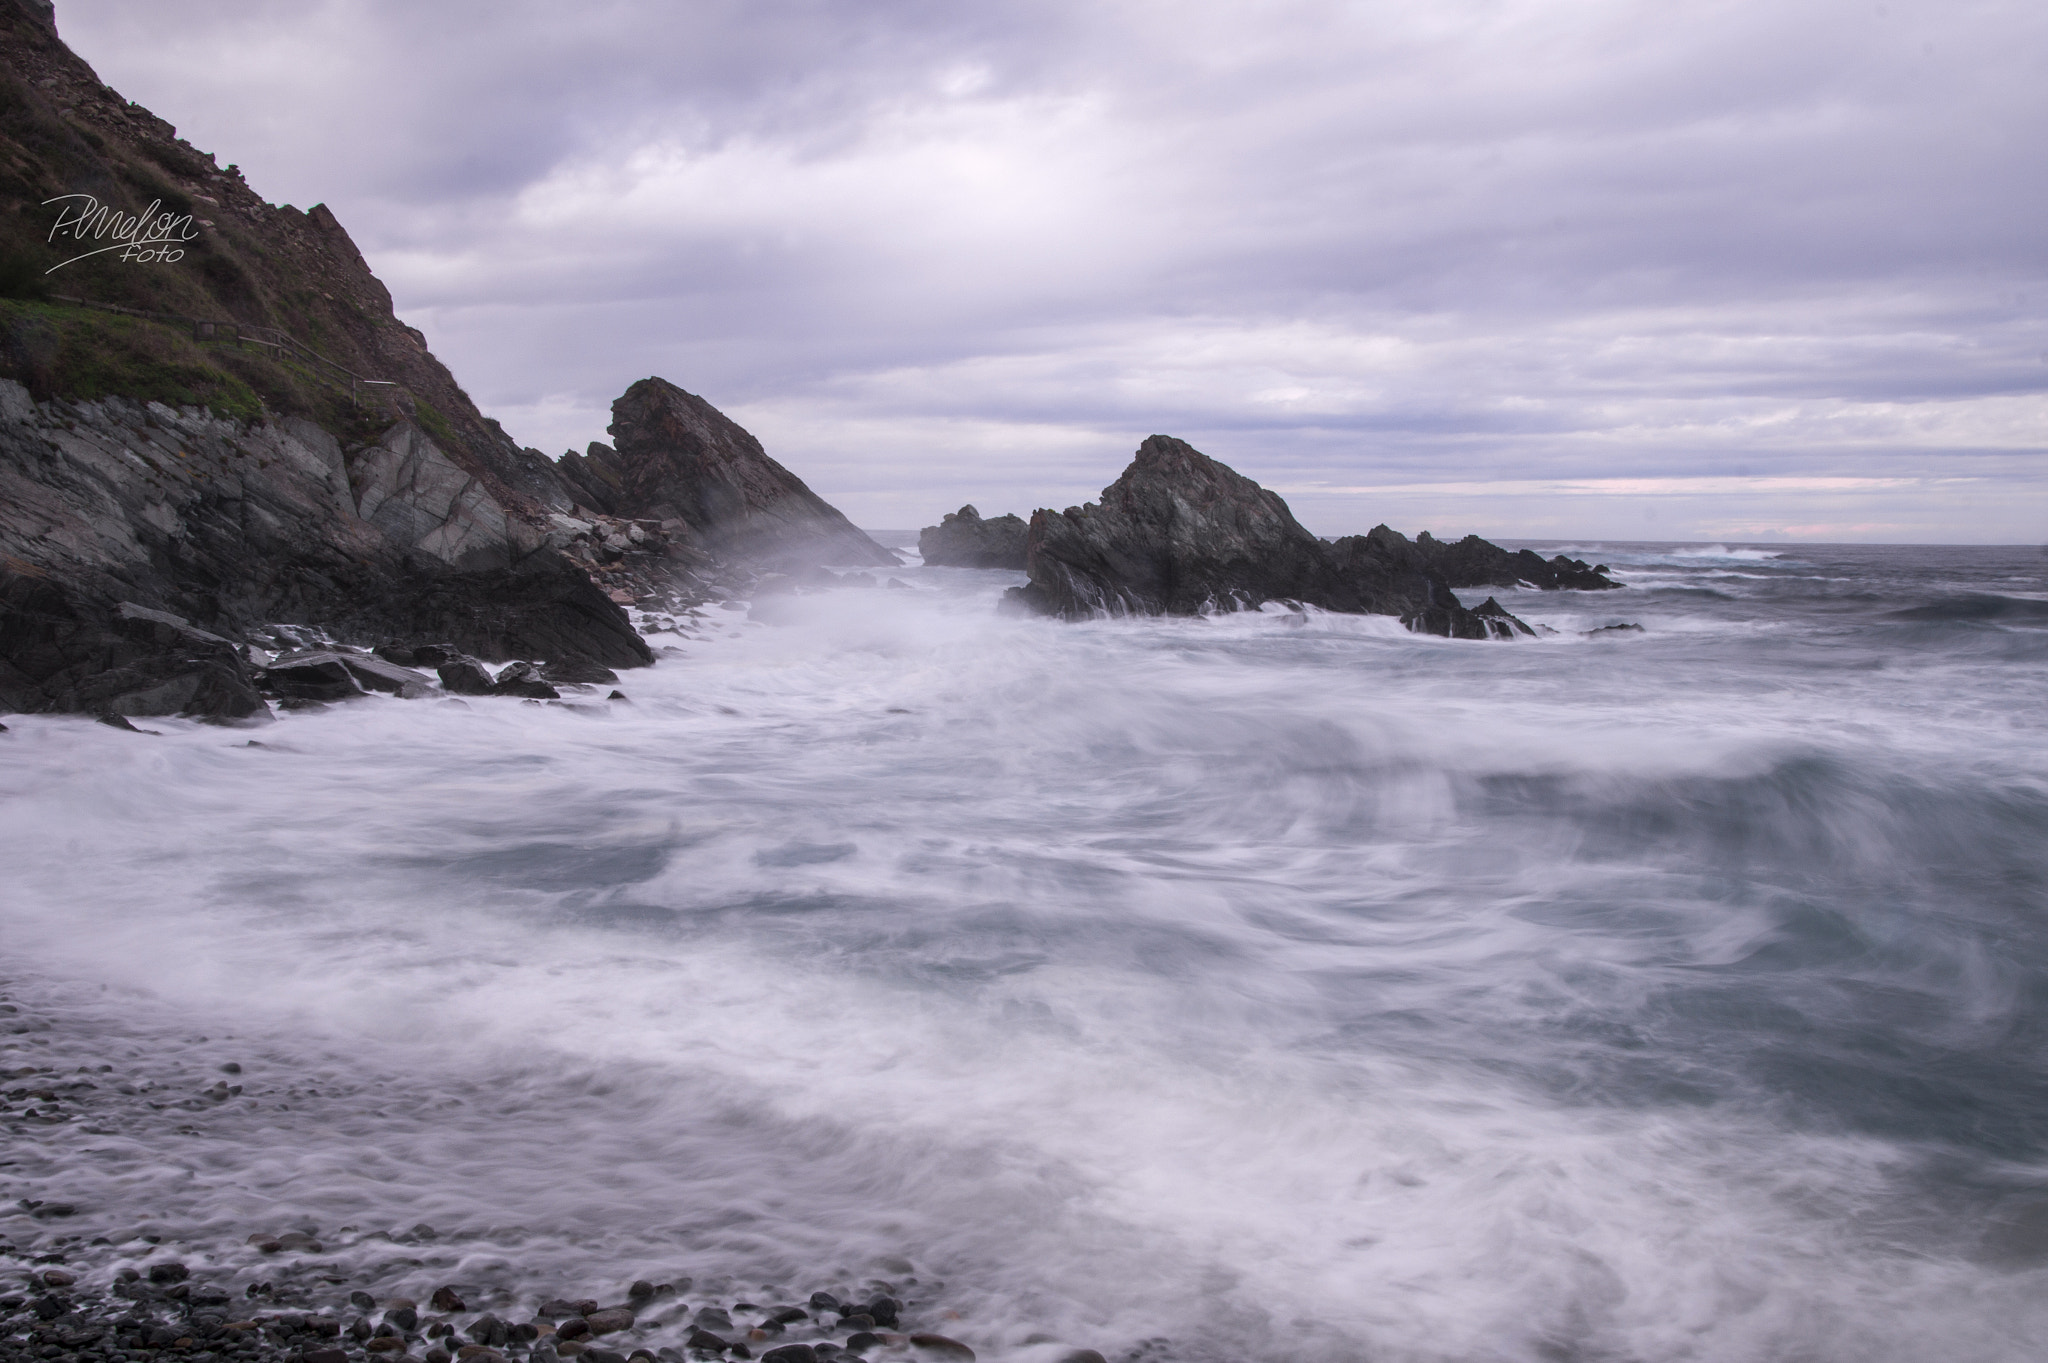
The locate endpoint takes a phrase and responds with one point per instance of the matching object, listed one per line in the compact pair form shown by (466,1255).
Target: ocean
(1277,986)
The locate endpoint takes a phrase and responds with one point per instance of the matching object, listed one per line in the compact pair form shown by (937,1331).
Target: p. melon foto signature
(151,237)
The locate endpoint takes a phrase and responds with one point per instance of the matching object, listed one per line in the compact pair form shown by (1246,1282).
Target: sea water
(1278,986)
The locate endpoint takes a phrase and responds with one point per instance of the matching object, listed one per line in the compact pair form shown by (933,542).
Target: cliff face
(678,458)
(194,455)
(111,506)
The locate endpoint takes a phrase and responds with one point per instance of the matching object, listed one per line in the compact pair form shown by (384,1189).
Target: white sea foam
(1280,987)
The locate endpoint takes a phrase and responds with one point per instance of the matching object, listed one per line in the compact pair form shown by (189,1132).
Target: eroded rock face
(1474,562)
(205,527)
(1181,534)
(679,458)
(964,540)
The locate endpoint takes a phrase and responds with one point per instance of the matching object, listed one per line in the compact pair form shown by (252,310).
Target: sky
(1736,270)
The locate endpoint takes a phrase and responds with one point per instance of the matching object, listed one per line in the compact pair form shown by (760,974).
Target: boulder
(962,539)
(524,679)
(465,676)
(1181,534)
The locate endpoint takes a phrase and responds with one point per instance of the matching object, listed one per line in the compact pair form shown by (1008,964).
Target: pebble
(446,1299)
(939,1346)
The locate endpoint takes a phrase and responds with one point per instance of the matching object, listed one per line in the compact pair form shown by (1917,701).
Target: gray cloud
(1506,265)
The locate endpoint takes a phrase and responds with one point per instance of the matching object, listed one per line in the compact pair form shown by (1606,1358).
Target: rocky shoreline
(80,1279)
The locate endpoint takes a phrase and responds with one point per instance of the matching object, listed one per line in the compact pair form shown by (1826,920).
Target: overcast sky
(1726,269)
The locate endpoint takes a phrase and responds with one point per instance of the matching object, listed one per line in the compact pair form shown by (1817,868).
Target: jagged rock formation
(1181,534)
(964,540)
(1474,562)
(678,458)
(109,507)
(220,478)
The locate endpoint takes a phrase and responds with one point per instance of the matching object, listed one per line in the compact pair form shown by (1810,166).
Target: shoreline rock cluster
(84,1279)
(1182,534)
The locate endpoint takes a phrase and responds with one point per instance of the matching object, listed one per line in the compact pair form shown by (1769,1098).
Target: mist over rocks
(1181,534)
(679,459)
(963,539)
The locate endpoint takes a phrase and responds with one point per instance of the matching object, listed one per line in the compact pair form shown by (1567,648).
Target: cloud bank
(1742,269)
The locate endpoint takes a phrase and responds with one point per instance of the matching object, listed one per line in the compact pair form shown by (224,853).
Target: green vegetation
(60,350)
(435,424)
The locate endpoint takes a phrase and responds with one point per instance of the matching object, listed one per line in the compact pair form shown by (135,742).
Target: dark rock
(375,674)
(169,1272)
(713,1318)
(1084,1356)
(641,1289)
(1474,562)
(573,1328)
(1615,629)
(447,1299)
(362,1301)
(324,1356)
(789,1315)
(1498,621)
(488,1329)
(574,673)
(858,1320)
(1181,534)
(883,1311)
(701,1338)
(113,721)
(679,458)
(312,675)
(942,1347)
(791,1353)
(604,1356)
(962,539)
(860,1341)
(524,679)
(609,1322)
(824,1301)
(465,677)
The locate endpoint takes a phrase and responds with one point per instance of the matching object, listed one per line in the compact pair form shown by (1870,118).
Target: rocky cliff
(1181,534)
(677,458)
(962,539)
(189,454)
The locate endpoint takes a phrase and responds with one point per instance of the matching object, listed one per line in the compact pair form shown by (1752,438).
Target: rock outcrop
(1474,562)
(964,540)
(677,458)
(1181,534)
(116,518)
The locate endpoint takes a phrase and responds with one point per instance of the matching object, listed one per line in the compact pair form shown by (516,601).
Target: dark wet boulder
(63,650)
(524,679)
(572,672)
(962,539)
(1181,534)
(312,674)
(465,676)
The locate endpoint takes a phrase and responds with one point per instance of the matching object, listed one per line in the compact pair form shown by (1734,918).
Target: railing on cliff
(327,371)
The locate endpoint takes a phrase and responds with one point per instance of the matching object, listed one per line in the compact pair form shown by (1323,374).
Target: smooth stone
(447,1299)
(465,676)
(941,1346)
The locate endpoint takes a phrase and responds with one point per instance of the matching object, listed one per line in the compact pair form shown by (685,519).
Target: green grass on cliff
(58,350)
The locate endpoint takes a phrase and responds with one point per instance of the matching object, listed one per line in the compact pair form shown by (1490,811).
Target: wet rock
(791,1353)
(860,1341)
(824,1301)
(679,458)
(1498,622)
(114,721)
(324,1356)
(168,1272)
(883,1310)
(573,1328)
(524,679)
(1181,534)
(595,1355)
(402,1313)
(713,1318)
(609,1322)
(701,1338)
(312,675)
(573,673)
(57,1277)
(1609,631)
(1084,1356)
(362,1301)
(940,1346)
(962,539)
(446,1299)
(465,676)
(857,1320)
(488,1329)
